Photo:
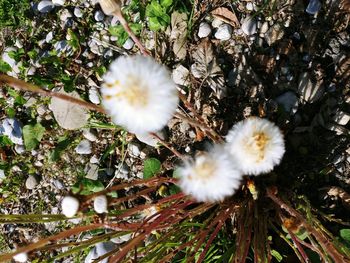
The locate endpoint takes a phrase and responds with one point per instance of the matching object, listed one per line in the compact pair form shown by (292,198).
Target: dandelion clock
(139,94)
(256,145)
(210,177)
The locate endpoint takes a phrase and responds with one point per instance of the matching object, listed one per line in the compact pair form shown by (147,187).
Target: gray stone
(134,149)
(216,23)
(224,32)
(45,6)
(49,37)
(249,26)
(94,96)
(249,6)
(12,129)
(89,135)
(58,184)
(94,159)
(2,175)
(61,46)
(77,12)
(59,2)
(65,15)
(31,182)
(129,44)
(342,118)
(289,101)
(313,7)
(5,56)
(99,16)
(264,28)
(69,115)
(19,149)
(84,147)
(99,250)
(18,43)
(204,30)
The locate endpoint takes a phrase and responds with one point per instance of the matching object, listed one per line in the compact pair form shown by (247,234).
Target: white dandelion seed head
(21,257)
(101,204)
(256,145)
(70,206)
(211,176)
(139,94)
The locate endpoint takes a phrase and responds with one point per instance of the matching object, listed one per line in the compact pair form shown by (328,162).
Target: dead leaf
(206,68)
(179,34)
(227,16)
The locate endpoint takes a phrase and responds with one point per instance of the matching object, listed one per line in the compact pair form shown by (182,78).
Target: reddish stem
(167,145)
(20,84)
(325,243)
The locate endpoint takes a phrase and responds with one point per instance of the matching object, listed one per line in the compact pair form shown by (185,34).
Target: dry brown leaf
(179,34)
(227,16)
(205,67)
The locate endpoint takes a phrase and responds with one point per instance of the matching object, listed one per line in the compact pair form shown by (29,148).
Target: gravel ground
(283,60)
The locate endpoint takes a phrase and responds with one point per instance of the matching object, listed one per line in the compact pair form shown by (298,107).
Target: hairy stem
(22,85)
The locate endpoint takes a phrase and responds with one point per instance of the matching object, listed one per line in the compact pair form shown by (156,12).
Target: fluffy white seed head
(256,145)
(139,94)
(21,257)
(101,204)
(70,206)
(211,176)
(110,7)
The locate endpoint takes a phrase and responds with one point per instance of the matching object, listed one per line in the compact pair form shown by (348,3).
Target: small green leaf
(32,135)
(154,9)
(154,24)
(4,66)
(63,143)
(113,194)
(276,255)
(151,167)
(10,112)
(73,39)
(345,234)
(166,3)
(5,141)
(87,186)
(174,189)
(118,31)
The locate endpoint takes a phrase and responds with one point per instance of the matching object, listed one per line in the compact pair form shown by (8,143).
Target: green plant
(157,13)
(13,13)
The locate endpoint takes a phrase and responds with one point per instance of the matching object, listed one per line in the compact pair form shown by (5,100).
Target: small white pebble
(70,206)
(100,204)
(129,44)
(204,30)
(21,257)
(250,6)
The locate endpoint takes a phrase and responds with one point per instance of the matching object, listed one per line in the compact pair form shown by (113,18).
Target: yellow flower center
(134,91)
(203,170)
(257,144)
